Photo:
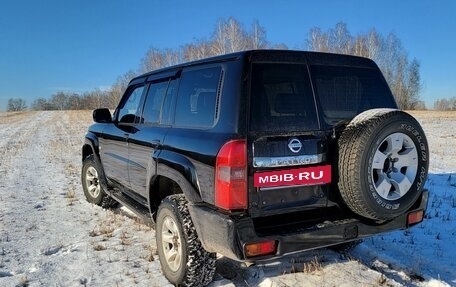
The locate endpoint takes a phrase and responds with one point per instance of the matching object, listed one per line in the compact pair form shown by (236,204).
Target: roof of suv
(312,58)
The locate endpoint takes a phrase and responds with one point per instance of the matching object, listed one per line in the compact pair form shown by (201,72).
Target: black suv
(257,154)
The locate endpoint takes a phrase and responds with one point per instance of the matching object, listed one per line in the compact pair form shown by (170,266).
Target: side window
(197,97)
(127,112)
(170,97)
(154,102)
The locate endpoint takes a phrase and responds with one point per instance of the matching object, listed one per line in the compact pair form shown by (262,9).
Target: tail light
(231,176)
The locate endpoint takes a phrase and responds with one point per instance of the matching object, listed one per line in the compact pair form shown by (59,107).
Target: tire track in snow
(23,168)
(14,133)
(32,197)
(50,239)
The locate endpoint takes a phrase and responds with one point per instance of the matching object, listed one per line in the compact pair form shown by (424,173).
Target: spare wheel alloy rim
(92,182)
(171,243)
(394,166)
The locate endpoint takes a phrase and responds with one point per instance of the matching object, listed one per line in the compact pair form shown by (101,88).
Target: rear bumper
(228,235)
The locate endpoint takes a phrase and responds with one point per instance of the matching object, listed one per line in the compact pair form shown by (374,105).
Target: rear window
(344,92)
(281,98)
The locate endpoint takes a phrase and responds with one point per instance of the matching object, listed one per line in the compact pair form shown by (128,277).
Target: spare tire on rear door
(383,163)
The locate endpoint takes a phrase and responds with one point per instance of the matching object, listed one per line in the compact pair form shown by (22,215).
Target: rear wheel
(383,163)
(183,260)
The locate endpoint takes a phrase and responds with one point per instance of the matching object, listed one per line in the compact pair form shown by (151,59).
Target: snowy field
(51,236)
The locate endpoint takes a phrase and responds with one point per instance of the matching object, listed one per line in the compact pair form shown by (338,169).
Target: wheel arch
(91,146)
(175,175)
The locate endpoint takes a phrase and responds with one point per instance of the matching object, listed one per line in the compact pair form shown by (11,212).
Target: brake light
(231,176)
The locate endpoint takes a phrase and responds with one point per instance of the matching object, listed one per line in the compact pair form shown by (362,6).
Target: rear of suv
(257,154)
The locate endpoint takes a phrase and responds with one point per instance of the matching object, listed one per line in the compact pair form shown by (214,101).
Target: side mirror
(102,116)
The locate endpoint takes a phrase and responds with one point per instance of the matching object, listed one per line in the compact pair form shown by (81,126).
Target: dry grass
(313,266)
(434,115)
(14,117)
(107,226)
(99,247)
(151,252)
(70,195)
(125,238)
(23,282)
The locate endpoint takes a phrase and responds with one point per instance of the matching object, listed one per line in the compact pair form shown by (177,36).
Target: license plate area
(315,175)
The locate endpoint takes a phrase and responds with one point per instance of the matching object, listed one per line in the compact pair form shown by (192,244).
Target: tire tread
(352,143)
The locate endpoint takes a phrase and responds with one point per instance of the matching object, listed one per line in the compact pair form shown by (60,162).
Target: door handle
(155,143)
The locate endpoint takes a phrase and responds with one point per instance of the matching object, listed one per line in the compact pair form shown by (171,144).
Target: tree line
(445,104)
(229,35)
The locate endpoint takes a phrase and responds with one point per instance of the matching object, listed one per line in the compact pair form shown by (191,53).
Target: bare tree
(59,100)
(16,105)
(445,104)
(74,102)
(229,37)
(317,40)
(373,44)
(256,38)
(402,76)
(442,104)
(153,60)
(156,59)
(118,88)
(40,104)
(413,84)
(340,40)
(360,46)
(199,50)
(219,39)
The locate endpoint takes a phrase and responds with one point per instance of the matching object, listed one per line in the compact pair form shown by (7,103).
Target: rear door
(288,152)
(146,140)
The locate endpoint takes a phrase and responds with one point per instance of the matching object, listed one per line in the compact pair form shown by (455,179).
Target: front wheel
(90,178)
(183,260)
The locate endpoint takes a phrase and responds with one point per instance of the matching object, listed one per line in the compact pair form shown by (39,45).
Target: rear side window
(154,102)
(281,98)
(345,92)
(197,98)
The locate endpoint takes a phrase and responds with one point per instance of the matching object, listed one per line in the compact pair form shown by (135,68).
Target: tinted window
(127,111)
(345,92)
(167,104)
(197,97)
(281,98)
(154,100)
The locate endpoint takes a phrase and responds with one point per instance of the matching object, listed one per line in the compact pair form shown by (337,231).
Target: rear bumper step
(228,235)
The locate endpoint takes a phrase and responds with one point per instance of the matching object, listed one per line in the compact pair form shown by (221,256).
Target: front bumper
(227,235)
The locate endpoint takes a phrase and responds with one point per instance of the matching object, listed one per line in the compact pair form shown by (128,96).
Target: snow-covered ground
(51,236)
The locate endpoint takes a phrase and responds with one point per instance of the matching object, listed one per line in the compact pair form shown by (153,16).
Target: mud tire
(197,266)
